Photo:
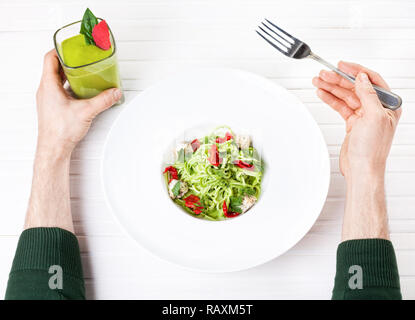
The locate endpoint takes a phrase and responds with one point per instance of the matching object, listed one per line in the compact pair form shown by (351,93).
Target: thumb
(367,95)
(104,100)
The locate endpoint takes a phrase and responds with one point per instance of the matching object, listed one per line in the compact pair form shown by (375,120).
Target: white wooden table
(159,37)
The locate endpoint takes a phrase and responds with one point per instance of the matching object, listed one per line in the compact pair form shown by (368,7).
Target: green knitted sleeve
(47,265)
(366,269)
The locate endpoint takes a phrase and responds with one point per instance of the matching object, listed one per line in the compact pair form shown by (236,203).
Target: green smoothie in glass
(87,53)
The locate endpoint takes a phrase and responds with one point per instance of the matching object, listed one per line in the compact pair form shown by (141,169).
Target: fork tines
(275,36)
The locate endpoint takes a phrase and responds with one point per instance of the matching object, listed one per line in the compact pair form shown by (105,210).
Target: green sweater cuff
(376,260)
(41,248)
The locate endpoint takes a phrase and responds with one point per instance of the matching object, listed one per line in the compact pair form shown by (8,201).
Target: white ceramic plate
(189,105)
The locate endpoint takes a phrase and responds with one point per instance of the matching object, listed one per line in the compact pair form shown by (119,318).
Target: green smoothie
(88,68)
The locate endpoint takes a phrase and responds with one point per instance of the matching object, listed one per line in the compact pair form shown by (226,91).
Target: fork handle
(388,99)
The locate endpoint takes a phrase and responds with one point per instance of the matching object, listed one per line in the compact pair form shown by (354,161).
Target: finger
(337,104)
(398,113)
(366,93)
(102,101)
(62,74)
(346,95)
(51,67)
(354,69)
(334,78)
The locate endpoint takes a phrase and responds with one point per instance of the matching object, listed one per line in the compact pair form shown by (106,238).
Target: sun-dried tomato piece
(193,202)
(192,198)
(225,208)
(195,144)
(243,165)
(172,171)
(228,137)
(227,213)
(231,214)
(214,155)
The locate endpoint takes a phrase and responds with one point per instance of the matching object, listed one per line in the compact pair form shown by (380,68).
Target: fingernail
(117,94)
(323,72)
(363,77)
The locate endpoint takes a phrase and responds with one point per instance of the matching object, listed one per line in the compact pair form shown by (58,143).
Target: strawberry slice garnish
(101,35)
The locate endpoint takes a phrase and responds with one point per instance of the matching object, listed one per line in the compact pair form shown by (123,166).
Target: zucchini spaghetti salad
(215,177)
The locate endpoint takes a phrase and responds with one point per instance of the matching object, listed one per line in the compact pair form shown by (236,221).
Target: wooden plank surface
(157,38)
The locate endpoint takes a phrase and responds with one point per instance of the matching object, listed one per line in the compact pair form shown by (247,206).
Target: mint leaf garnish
(88,23)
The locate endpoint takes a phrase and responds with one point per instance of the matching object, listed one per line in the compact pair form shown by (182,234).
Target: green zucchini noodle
(226,182)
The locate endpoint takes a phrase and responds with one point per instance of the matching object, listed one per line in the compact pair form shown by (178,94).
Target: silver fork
(294,48)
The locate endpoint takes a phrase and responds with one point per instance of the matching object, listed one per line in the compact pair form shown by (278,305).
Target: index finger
(354,69)
(334,78)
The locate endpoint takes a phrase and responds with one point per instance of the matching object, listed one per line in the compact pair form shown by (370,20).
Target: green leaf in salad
(88,23)
(235,204)
(176,189)
(248,191)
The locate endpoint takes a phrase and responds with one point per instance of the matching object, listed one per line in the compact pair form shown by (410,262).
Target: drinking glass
(88,80)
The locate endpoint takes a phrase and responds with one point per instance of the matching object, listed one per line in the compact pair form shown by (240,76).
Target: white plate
(188,105)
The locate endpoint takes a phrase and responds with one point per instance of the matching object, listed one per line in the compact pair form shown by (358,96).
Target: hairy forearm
(49,204)
(365,212)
